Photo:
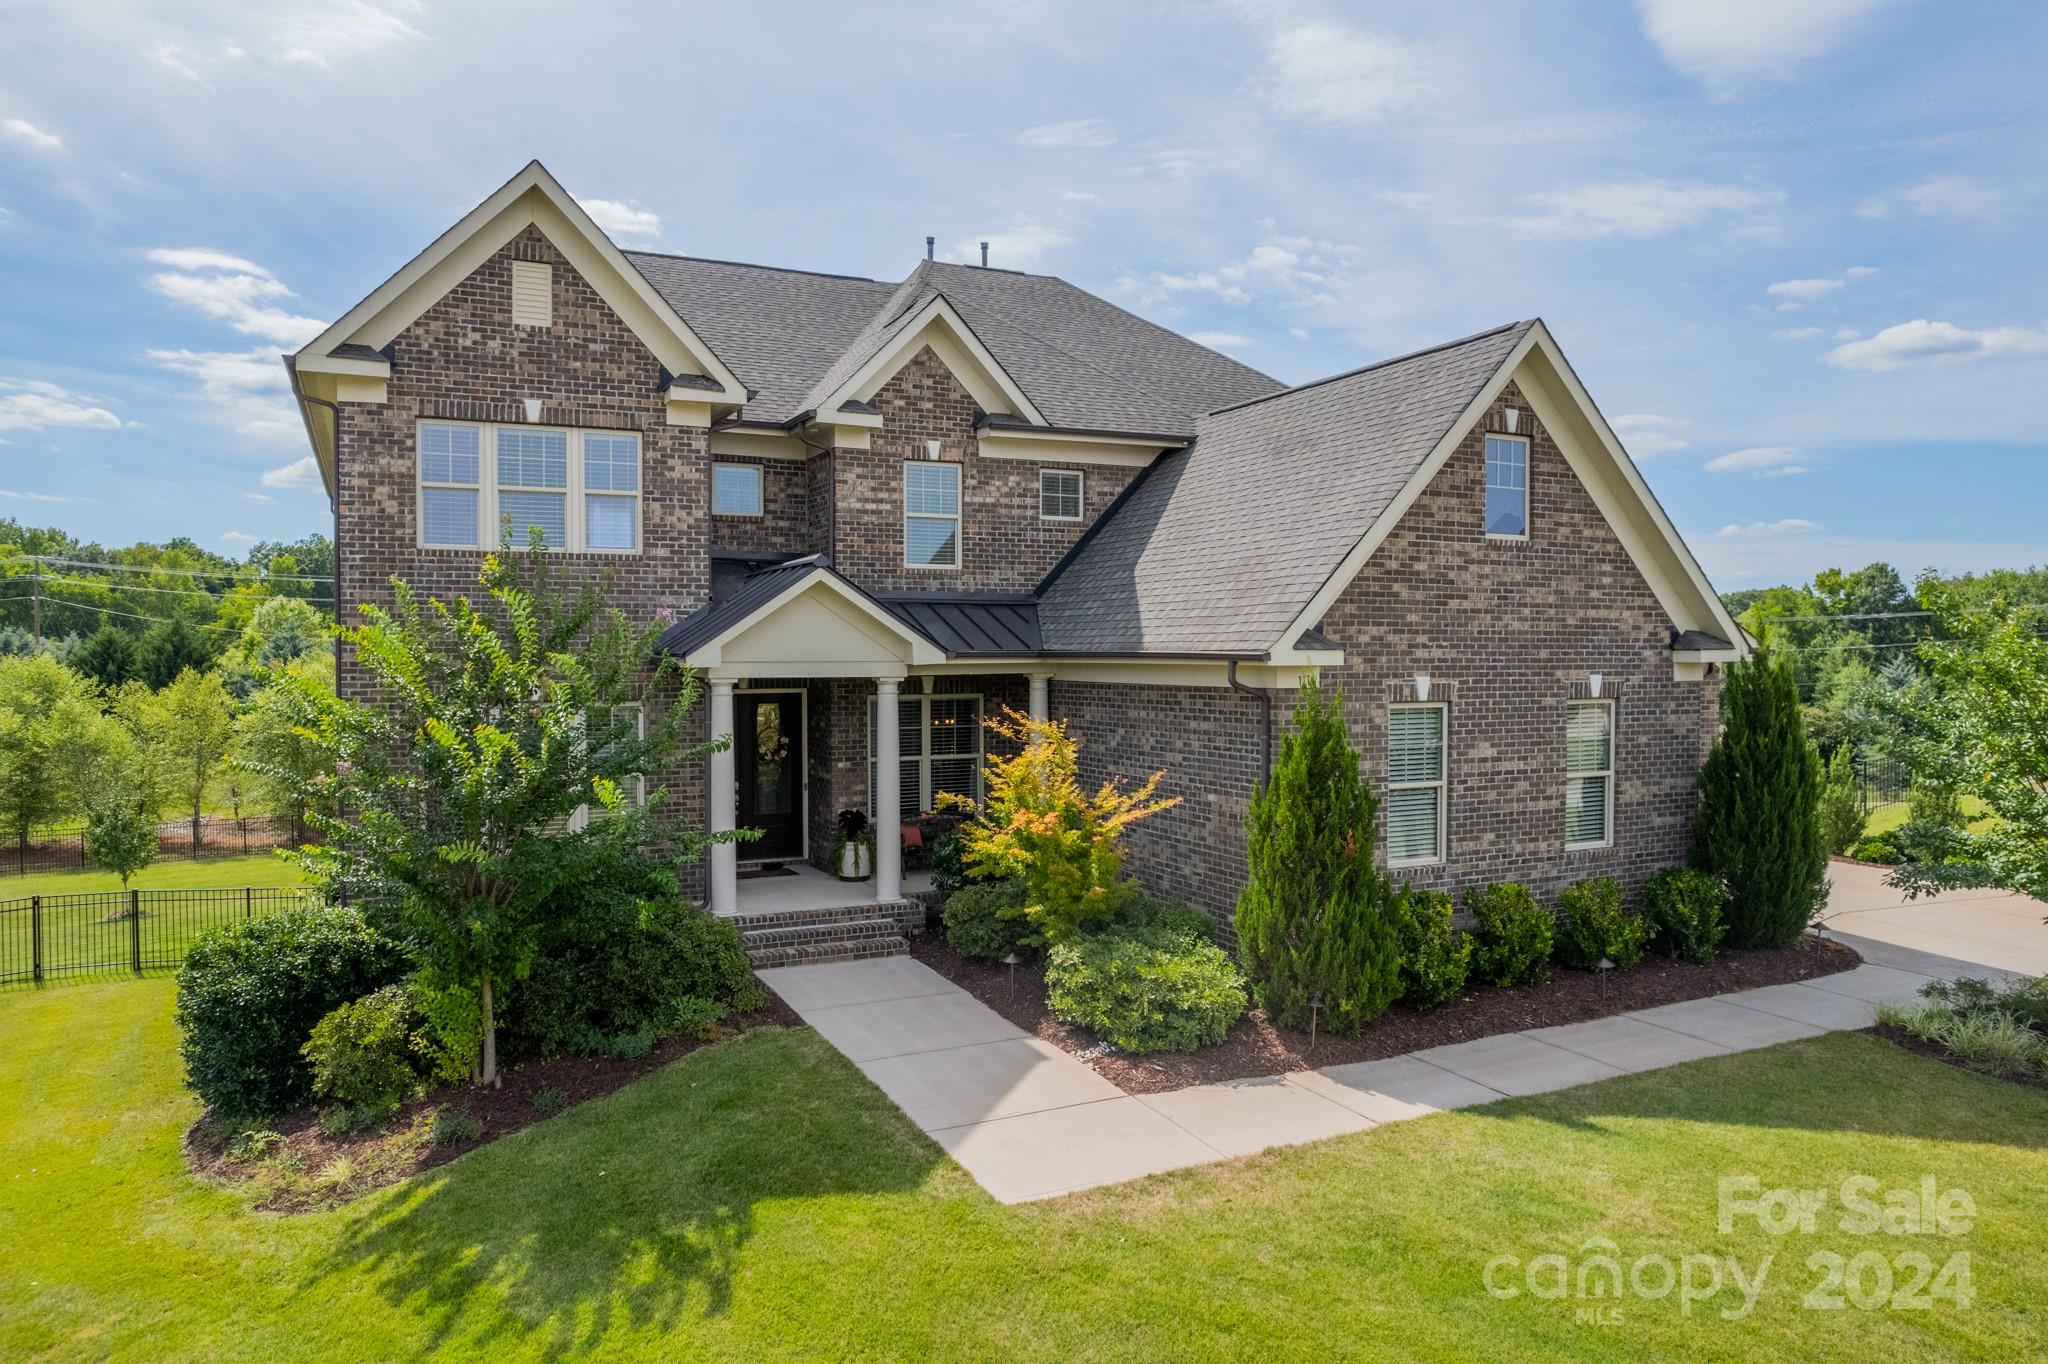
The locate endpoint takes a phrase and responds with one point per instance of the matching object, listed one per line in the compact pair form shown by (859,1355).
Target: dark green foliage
(632,1046)
(1683,907)
(1877,848)
(107,656)
(453,1126)
(547,1099)
(1842,815)
(949,873)
(249,995)
(1435,957)
(986,919)
(655,966)
(1936,803)
(1316,917)
(1144,916)
(1146,990)
(362,1053)
(1594,924)
(1514,934)
(168,648)
(1758,826)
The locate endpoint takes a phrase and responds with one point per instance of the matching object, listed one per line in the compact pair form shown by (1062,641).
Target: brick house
(876,508)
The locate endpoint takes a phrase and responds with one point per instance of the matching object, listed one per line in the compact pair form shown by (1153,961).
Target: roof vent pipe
(928,248)
(984,255)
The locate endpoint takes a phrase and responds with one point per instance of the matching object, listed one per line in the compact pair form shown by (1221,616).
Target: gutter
(1265,700)
(291,368)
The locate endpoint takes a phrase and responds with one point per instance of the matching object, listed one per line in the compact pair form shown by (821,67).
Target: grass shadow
(631,1211)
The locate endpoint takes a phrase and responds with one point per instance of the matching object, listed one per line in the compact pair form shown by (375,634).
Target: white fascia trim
(345,365)
(1333,587)
(711,653)
(1044,447)
(388,310)
(758,445)
(1706,655)
(941,315)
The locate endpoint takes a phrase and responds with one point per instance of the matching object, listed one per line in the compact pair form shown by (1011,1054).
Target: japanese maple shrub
(1318,924)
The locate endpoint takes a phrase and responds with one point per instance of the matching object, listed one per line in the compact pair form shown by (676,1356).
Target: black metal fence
(63,849)
(1883,781)
(45,938)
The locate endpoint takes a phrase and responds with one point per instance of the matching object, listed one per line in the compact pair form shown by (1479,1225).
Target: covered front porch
(801,888)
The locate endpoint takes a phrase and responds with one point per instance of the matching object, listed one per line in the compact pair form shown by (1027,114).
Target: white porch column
(725,883)
(1041,696)
(888,803)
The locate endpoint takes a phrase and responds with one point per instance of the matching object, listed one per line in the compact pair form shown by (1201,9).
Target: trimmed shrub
(1514,934)
(1435,957)
(630,981)
(1593,923)
(1316,917)
(949,871)
(362,1053)
(1877,848)
(1758,826)
(986,919)
(1162,991)
(1842,815)
(250,993)
(453,1126)
(1145,916)
(1683,907)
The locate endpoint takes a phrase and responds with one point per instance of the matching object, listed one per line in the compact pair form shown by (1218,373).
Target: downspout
(334,411)
(1265,700)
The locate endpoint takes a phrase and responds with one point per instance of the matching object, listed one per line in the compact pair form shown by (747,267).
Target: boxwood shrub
(362,1053)
(250,993)
(985,919)
(1683,907)
(1435,957)
(1148,990)
(1593,923)
(1514,934)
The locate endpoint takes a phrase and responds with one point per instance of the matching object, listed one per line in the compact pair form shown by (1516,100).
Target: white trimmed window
(481,482)
(1589,774)
(931,515)
(1507,486)
(1415,785)
(735,490)
(1059,494)
(938,739)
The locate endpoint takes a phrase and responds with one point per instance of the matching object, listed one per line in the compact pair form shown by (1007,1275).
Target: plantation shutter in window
(1415,783)
(533,481)
(1589,773)
(955,746)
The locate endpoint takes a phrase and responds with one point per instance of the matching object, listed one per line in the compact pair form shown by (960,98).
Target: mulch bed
(500,1112)
(1935,1051)
(1255,1046)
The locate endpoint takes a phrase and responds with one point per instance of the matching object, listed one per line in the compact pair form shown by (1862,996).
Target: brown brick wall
(1006,546)
(1507,631)
(785,524)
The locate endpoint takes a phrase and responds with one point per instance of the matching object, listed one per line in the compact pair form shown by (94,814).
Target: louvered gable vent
(533,293)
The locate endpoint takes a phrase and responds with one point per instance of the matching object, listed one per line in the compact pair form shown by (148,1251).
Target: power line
(257,574)
(130,615)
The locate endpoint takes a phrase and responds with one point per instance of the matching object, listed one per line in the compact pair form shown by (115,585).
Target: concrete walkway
(1029,1121)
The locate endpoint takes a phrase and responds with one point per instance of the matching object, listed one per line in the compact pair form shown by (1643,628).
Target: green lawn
(759,1200)
(181,873)
(1890,817)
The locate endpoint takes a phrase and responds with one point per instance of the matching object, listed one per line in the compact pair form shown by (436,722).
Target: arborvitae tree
(1758,825)
(1316,917)
(170,647)
(1842,813)
(107,656)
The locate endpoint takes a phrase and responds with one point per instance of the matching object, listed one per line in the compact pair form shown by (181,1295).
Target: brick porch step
(846,933)
(810,954)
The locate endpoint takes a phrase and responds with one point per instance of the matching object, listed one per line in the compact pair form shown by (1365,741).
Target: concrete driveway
(1996,929)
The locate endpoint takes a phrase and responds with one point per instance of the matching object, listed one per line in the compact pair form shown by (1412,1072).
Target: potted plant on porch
(853,855)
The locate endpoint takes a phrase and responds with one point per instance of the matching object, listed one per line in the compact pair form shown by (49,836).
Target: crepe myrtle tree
(1986,714)
(446,812)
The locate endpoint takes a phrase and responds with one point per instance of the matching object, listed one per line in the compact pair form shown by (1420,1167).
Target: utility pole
(35,599)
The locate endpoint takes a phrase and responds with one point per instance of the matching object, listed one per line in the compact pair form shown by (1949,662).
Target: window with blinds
(1589,774)
(938,739)
(533,293)
(481,482)
(533,484)
(451,483)
(1415,785)
(1059,494)
(931,515)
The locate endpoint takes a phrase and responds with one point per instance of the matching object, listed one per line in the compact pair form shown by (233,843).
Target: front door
(768,755)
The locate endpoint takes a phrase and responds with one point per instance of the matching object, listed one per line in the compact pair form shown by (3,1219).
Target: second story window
(1059,494)
(735,490)
(480,482)
(931,515)
(1507,486)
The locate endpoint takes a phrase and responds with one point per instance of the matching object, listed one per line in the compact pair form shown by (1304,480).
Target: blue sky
(1792,249)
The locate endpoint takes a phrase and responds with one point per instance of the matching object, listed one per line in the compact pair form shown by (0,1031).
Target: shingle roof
(749,595)
(794,337)
(1219,546)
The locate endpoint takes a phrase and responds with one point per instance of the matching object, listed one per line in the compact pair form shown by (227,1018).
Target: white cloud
(1079,196)
(1846,334)
(251,385)
(1944,196)
(1796,333)
(1727,44)
(1020,248)
(233,289)
(1752,460)
(1082,132)
(12,495)
(1221,340)
(1785,471)
(1286,266)
(21,130)
(1803,289)
(622,219)
(35,405)
(323,35)
(258,497)
(1923,342)
(1327,73)
(303,472)
(1647,435)
(1634,208)
(1791,525)
(1754,560)
(237,537)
